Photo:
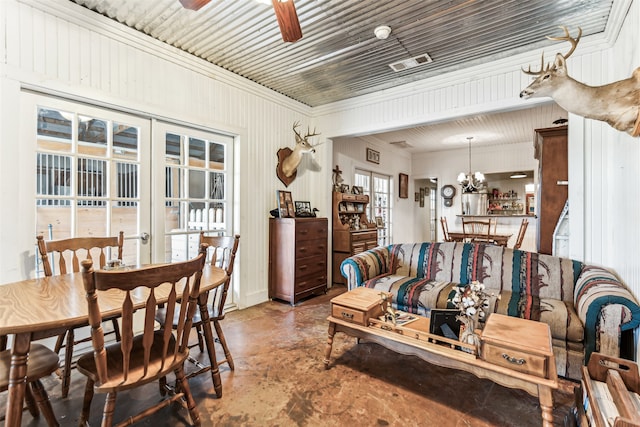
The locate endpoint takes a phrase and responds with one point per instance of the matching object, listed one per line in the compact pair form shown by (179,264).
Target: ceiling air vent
(411,62)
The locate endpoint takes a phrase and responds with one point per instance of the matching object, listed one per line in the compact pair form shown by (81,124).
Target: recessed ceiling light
(518,175)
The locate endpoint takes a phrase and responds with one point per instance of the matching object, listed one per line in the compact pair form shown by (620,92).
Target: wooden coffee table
(515,353)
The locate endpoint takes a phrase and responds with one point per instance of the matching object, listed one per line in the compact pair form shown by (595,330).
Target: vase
(469,336)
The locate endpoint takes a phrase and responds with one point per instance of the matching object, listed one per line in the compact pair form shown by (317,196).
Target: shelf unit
(509,201)
(352,232)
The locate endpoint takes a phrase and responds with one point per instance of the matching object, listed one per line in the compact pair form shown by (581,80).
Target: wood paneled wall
(604,164)
(61,48)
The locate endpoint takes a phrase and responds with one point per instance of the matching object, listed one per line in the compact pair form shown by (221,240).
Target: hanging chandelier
(469,182)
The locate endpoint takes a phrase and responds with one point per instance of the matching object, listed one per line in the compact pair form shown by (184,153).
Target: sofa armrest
(595,289)
(364,266)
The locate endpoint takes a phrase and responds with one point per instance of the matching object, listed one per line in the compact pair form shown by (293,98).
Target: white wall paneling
(60,48)
(603,163)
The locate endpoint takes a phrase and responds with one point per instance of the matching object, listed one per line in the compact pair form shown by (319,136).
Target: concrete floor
(280,380)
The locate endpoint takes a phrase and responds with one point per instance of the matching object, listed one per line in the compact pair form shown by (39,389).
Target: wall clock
(448,191)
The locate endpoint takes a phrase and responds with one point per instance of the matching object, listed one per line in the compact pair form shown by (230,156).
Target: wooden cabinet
(297,257)
(553,175)
(352,233)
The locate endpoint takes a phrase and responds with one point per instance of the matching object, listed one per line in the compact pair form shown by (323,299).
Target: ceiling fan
(285,12)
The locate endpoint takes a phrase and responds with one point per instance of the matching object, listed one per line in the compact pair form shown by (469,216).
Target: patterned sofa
(585,306)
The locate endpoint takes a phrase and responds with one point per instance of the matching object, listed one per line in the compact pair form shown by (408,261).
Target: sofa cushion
(407,259)
(502,269)
(559,315)
(411,294)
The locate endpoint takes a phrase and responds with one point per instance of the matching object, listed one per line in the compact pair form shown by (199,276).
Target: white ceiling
(486,129)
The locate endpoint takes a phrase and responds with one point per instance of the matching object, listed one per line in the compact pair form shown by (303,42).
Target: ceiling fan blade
(193,4)
(287,20)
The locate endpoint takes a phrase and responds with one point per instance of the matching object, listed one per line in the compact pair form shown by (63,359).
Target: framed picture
(357,189)
(350,207)
(303,209)
(417,197)
(379,222)
(404,186)
(373,156)
(285,204)
(422,197)
(531,204)
(344,188)
(444,323)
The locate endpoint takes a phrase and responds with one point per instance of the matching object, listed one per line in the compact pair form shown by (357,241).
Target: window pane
(198,216)
(124,217)
(216,155)
(196,184)
(53,218)
(172,216)
(173,149)
(92,136)
(53,175)
(173,182)
(91,220)
(126,181)
(125,141)
(216,185)
(54,130)
(196,152)
(92,180)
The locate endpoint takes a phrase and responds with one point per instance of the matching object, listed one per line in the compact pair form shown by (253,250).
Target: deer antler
(567,37)
(307,135)
(537,73)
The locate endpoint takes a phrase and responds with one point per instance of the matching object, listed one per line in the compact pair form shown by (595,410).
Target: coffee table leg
(546,405)
(327,351)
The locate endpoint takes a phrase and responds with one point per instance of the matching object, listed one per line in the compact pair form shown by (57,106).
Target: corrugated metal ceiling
(339,57)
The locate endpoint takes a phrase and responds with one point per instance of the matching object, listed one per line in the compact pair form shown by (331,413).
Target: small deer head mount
(289,160)
(616,103)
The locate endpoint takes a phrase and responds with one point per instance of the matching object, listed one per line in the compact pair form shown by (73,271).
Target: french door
(91,173)
(196,167)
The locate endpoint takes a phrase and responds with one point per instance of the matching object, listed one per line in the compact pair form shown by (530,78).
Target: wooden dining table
(500,239)
(44,307)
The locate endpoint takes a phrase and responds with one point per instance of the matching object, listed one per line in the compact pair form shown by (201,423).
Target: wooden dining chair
(66,255)
(222,253)
(523,229)
(42,362)
(476,231)
(445,229)
(147,356)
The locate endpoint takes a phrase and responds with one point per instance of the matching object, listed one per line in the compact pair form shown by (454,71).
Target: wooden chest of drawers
(297,257)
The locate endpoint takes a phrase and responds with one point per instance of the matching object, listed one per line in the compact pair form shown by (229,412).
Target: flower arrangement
(472,300)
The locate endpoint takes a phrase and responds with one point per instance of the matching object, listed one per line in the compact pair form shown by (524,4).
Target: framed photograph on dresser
(285,204)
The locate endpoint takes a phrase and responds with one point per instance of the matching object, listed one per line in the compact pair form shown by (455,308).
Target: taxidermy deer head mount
(289,160)
(616,103)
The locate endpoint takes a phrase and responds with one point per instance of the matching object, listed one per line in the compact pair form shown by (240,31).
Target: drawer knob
(347,315)
(513,360)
